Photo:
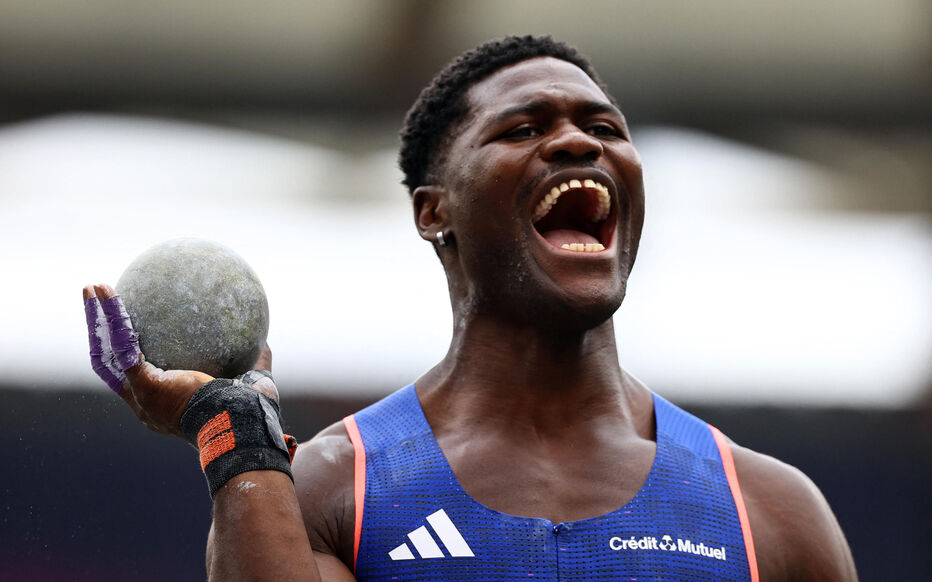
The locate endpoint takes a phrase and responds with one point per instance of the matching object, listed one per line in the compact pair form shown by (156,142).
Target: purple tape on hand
(98,336)
(123,340)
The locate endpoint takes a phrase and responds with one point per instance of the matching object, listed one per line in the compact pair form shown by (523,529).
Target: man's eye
(524,131)
(604,130)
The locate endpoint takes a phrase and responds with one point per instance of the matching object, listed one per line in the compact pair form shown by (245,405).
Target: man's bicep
(324,481)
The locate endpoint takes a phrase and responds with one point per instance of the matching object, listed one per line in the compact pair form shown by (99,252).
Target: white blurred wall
(746,288)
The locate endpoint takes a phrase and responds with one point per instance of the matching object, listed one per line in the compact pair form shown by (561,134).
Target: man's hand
(158,397)
(258,532)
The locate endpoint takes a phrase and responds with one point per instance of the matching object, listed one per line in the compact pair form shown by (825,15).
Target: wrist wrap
(236,428)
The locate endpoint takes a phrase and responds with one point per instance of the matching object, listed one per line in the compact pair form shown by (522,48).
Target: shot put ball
(196,305)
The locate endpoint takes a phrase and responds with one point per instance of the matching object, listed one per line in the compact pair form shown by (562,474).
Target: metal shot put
(196,305)
(527,452)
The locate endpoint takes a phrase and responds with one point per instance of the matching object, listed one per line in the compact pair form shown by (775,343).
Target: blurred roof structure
(852,61)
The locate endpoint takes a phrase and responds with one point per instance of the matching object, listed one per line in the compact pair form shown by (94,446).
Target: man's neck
(533,377)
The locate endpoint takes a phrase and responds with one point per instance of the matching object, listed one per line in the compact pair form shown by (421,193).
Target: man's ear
(431,211)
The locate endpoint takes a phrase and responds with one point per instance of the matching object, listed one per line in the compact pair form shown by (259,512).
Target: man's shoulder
(323,470)
(329,449)
(325,464)
(796,535)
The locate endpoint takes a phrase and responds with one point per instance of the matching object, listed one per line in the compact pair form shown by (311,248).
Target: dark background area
(89,494)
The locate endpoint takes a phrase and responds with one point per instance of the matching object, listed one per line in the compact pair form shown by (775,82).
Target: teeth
(602,207)
(583,247)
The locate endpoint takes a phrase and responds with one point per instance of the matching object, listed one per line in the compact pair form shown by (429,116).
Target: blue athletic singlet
(687,522)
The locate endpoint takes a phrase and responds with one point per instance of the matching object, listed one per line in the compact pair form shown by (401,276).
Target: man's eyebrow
(535,107)
(522,109)
(597,107)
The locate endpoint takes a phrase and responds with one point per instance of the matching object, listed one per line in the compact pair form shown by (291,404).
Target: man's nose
(570,141)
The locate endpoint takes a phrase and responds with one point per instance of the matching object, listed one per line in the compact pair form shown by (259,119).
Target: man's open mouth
(572,216)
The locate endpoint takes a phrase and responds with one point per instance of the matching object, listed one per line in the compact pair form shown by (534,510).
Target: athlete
(526,453)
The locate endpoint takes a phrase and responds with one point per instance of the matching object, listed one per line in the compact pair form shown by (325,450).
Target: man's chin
(576,312)
(581,316)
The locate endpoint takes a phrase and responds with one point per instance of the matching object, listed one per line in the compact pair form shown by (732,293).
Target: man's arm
(323,469)
(324,473)
(796,535)
(258,532)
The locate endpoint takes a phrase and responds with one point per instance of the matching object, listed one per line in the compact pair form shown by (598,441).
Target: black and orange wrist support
(236,429)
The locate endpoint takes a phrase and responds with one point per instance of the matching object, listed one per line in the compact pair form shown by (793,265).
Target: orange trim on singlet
(728,463)
(359,489)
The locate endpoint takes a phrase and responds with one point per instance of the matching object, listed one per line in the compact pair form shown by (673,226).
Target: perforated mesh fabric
(682,524)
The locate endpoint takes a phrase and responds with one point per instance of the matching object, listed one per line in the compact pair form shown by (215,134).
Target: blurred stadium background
(782,291)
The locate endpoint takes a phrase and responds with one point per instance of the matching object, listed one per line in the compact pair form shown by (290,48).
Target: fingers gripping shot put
(527,452)
(235,424)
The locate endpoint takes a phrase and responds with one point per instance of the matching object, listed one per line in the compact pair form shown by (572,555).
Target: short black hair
(442,104)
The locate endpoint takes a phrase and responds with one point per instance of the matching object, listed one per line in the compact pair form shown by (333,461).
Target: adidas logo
(424,543)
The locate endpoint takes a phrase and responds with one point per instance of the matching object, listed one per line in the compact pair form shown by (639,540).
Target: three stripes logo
(427,547)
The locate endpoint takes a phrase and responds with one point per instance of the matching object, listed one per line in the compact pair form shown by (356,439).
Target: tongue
(564,236)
